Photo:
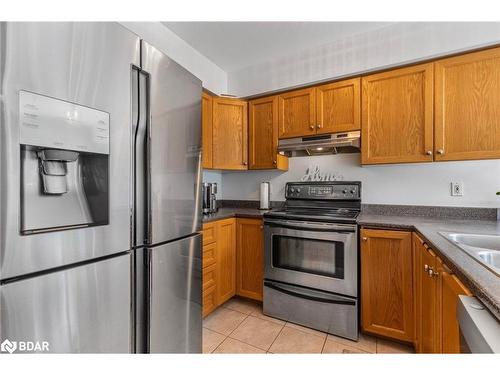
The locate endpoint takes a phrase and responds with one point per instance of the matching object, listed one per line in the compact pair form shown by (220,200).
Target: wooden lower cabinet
(451,288)
(233,261)
(429,303)
(250,258)
(436,302)
(407,292)
(386,284)
(219,263)
(226,259)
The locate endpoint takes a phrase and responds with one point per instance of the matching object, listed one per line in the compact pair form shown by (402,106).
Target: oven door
(311,254)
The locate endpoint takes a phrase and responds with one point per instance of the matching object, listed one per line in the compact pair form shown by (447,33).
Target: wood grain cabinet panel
(297,113)
(229,134)
(226,260)
(206,130)
(429,303)
(250,258)
(263,135)
(338,106)
(209,300)
(418,245)
(451,288)
(467,105)
(209,233)
(397,116)
(386,284)
(209,254)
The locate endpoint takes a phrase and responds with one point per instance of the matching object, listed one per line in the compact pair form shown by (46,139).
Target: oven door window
(308,255)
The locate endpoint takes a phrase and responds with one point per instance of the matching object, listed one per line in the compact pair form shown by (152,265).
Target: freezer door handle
(296,292)
(140,152)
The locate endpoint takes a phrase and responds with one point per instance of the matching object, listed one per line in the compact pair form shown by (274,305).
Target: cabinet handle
(261,227)
(426,268)
(440,151)
(428,152)
(244,163)
(274,162)
(319,126)
(311,127)
(365,239)
(432,273)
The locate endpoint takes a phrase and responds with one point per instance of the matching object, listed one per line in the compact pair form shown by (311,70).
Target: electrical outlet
(457,189)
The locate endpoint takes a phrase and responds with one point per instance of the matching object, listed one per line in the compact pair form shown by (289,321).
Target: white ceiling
(236,45)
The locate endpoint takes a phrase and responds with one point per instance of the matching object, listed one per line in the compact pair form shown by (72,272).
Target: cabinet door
(418,245)
(226,260)
(297,113)
(206,130)
(263,135)
(429,303)
(467,103)
(397,116)
(338,106)
(229,148)
(451,288)
(250,258)
(386,283)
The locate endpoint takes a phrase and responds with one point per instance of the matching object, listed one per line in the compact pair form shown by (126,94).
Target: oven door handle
(294,292)
(327,227)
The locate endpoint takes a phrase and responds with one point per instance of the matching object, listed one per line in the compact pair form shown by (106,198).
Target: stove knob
(298,190)
(292,190)
(353,191)
(344,191)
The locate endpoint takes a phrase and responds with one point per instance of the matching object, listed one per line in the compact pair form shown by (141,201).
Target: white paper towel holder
(265,192)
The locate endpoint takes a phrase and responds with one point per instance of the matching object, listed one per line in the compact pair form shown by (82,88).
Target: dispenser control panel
(54,123)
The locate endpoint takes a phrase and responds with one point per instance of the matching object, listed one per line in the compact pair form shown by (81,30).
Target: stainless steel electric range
(311,257)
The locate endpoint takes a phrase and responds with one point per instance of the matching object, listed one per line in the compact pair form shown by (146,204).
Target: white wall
(388,46)
(414,184)
(213,77)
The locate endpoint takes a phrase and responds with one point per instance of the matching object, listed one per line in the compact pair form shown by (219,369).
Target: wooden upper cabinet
(297,113)
(338,106)
(397,116)
(451,288)
(229,134)
(250,258)
(386,284)
(206,130)
(467,105)
(263,135)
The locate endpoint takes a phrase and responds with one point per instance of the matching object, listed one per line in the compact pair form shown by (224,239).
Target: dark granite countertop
(228,212)
(483,283)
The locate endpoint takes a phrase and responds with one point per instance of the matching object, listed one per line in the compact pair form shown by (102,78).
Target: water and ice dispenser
(64,164)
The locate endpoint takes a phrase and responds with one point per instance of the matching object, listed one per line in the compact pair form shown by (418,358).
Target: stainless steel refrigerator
(100,198)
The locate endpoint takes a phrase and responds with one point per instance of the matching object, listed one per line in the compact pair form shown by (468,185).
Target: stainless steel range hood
(324,144)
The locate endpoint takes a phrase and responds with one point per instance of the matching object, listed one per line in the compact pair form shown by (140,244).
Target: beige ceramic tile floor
(239,326)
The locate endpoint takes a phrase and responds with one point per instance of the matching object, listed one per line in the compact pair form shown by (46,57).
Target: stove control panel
(336,190)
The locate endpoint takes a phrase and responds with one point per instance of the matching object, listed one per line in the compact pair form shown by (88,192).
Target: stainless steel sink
(476,240)
(483,248)
(491,257)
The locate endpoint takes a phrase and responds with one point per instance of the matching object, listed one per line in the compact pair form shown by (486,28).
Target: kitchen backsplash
(410,184)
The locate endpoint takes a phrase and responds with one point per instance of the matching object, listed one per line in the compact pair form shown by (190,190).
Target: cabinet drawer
(208,233)
(209,254)
(209,300)
(209,274)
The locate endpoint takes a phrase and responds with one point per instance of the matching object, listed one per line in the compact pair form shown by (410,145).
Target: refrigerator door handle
(198,196)
(141,156)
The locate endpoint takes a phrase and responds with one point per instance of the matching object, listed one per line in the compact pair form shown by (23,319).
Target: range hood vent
(326,144)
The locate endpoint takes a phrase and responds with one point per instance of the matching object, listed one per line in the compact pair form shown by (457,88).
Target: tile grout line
(278,335)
